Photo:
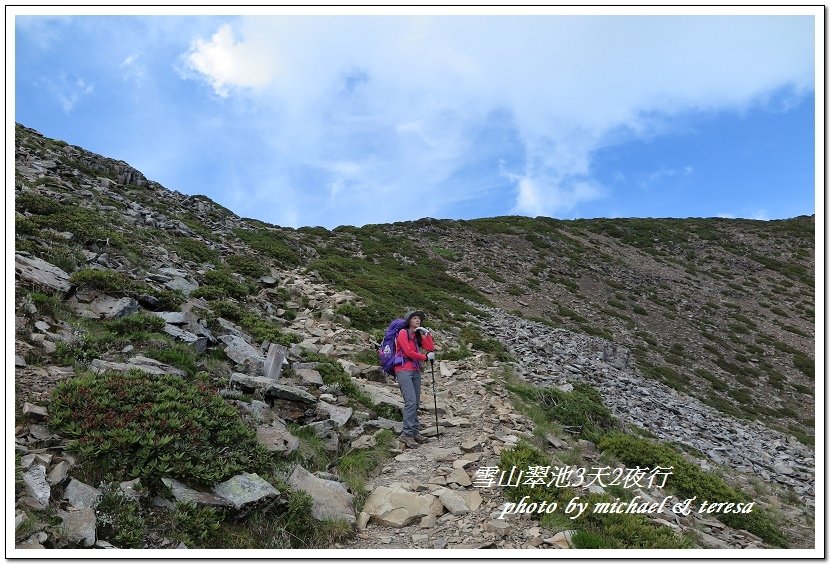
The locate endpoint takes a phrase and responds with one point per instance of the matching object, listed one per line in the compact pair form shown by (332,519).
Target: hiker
(411,338)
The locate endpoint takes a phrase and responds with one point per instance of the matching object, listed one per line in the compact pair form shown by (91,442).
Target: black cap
(412,314)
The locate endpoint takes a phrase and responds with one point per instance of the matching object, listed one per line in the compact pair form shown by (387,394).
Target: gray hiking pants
(409,381)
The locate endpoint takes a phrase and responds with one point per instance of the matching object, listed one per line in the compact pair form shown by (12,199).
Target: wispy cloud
(133,69)
(68,90)
(662,174)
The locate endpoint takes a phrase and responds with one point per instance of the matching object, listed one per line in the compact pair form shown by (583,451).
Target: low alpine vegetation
(138,426)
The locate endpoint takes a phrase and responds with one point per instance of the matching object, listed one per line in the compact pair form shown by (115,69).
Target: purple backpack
(386,352)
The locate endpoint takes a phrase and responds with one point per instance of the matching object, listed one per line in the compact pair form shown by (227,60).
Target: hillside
(689,341)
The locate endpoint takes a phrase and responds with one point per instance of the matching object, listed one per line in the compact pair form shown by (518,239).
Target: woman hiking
(409,340)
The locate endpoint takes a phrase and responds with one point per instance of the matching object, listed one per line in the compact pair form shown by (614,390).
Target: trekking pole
(434,397)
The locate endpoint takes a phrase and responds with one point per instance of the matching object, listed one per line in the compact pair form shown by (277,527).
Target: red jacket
(408,347)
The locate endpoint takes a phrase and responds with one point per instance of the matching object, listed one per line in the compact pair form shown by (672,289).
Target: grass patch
(356,467)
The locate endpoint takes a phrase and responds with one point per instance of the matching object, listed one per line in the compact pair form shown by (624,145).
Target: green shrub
(135,425)
(270,244)
(196,526)
(220,284)
(119,520)
(580,411)
(616,303)
(178,355)
(109,281)
(193,250)
(805,364)
(169,300)
(136,323)
(355,468)
(689,480)
(247,265)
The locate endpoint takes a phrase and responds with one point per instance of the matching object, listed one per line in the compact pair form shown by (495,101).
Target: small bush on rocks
(134,425)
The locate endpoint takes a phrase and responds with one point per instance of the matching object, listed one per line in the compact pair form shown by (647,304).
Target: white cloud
(401,98)
(228,63)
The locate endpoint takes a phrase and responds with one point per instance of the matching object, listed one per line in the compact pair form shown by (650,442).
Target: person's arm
(427,342)
(406,347)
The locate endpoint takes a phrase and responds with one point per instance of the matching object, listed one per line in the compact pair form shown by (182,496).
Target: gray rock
(185,494)
(290,393)
(339,414)
(310,377)
(81,496)
(58,473)
(130,489)
(239,351)
(383,423)
(41,273)
(36,485)
(184,285)
(380,394)
(330,499)
(174,317)
(146,365)
(271,388)
(79,526)
(198,343)
(245,489)
(35,412)
(350,367)
(268,281)
(277,438)
(113,308)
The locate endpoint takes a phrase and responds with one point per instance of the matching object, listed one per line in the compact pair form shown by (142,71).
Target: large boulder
(380,394)
(399,508)
(38,272)
(142,363)
(198,343)
(330,499)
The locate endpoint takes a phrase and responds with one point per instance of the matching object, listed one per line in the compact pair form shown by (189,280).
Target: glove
(423,330)
(431,356)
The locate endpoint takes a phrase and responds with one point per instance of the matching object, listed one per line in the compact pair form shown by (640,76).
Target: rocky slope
(670,321)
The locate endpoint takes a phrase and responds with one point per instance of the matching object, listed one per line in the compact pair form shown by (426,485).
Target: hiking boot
(408,441)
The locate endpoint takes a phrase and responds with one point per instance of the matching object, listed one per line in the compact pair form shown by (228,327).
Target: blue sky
(332,120)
